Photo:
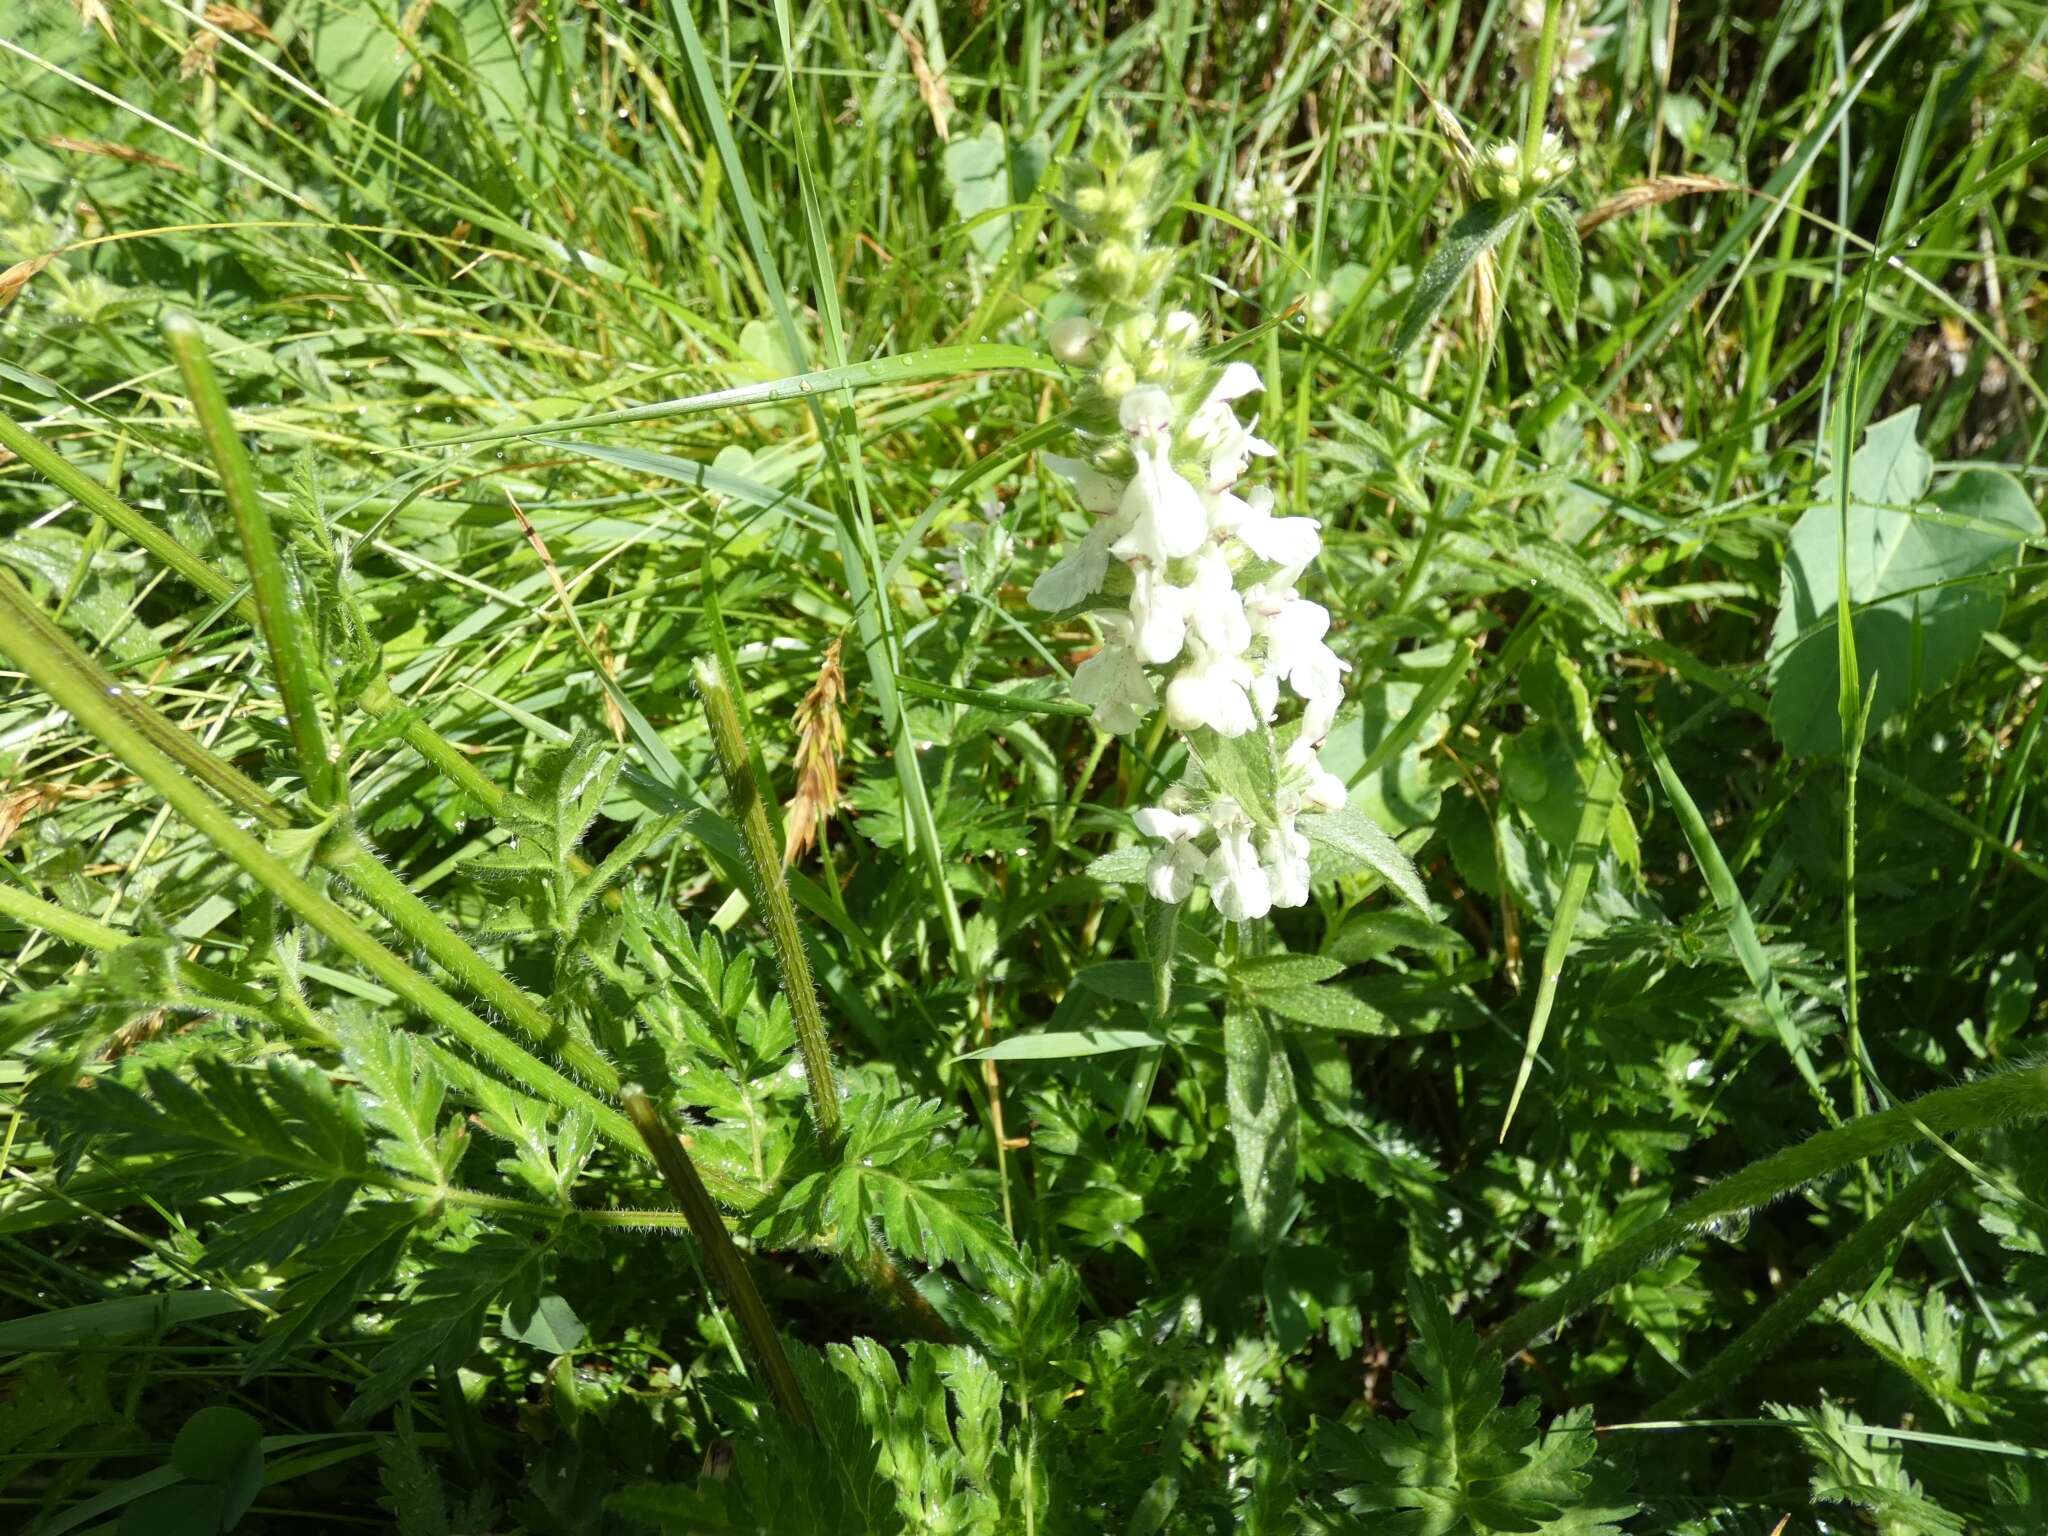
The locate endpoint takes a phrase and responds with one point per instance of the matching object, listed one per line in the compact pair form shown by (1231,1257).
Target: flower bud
(1073,339)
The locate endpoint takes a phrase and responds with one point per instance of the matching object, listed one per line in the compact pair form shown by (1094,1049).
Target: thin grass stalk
(51,669)
(1978,1106)
(277,617)
(378,698)
(721,693)
(1844,1269)
(728,1267)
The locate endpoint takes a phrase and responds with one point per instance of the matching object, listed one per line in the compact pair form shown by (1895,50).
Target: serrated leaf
(1356,842)
(1563,264)
(1264,1122)
(1476,233)
(1242,767)
(1567,575)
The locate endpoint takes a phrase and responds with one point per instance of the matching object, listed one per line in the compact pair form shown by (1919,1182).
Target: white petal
(1216,611)
(1156,821)
(1159,615)
(1292,542)
(1146,411)
(1239,379)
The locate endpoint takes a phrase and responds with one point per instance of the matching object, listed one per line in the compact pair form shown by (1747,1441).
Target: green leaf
(1241,767)
(1563,265)
(1460,1462)
(1121,866)
(1265,973)
(1925,578)
(1326,1008)
(114,1321)
(1264,1123)
(1476,233)
(1864,1470)
(1054,1045)
(1565,572)
(1354,842)
(548,1323)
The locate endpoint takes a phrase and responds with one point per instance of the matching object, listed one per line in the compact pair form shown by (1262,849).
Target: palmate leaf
(1460,1462)
(441,1318)
(1852,1467)
(898,1173)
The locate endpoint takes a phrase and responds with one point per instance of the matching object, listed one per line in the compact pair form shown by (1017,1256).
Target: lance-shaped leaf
(1469,239)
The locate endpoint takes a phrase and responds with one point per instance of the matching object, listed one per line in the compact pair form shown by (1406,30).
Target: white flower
(1283,853)
(1112,682)
(1231,445)
(1079,575)
(1159,614)
(1164,518)
(1177,861)
(1215,608)
(1289,542)
(1293,628)
(1209,690)
(1317,716)
(1318,788)
(1237,880)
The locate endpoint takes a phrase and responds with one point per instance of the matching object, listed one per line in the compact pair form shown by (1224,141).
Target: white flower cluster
(1212,573)
(1185,571)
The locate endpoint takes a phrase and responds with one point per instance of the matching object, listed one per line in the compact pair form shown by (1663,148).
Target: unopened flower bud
(1073,339)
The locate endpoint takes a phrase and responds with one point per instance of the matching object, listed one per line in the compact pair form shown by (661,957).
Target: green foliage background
(1131,1228)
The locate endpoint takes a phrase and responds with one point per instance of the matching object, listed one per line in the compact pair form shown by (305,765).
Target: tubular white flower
(1177,861)
(1283,854)
(1215,608)
(1209,691)
(1291,543)
(1159,615)
(1237,880)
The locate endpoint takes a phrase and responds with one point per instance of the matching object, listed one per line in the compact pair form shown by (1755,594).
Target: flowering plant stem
(54,665)
(377,699)
(720,691)
(1849,1265)
(1468,416)
(1977,1106)
(728,1267)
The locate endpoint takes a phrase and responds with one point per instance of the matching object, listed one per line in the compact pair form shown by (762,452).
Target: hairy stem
(1976,1106)
(728,1267)
(771,890)
(1843,1269)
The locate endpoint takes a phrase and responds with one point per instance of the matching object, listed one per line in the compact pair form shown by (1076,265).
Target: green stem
(52,670)
(728,1268)
(377,699)
(1843,1269)
(357,862)
(277,617)
(1975,1106)
(771,890)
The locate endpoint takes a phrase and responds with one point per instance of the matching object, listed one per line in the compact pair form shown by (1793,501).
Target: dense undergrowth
(486,489)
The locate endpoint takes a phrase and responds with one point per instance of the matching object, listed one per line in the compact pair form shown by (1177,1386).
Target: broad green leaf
(1925,580)
(1266,973)
(1322,1007)
(1241,767)
(1563,265)
(1121,866)
(222,1448)
(548,1323)
(1264,1128)
(1467,240)
(1355,842)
